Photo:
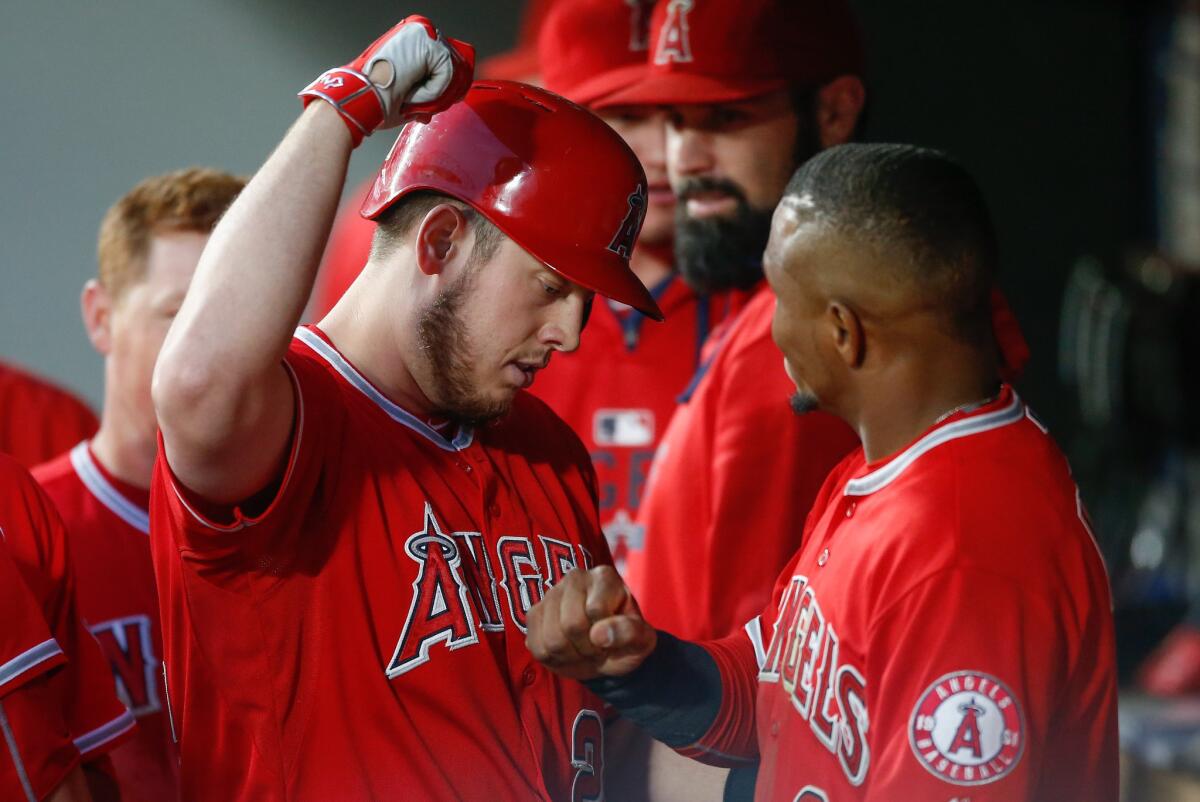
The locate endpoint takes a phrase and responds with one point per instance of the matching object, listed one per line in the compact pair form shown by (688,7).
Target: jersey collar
(1006,409)
(106,493)
(325,350)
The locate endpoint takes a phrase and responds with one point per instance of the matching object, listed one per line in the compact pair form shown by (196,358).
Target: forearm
(257,271)
(221,395)
(699,700)
(674,696)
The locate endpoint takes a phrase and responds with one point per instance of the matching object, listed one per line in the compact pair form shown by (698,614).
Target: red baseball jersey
(735,475)
(945,632)
(39,750)
(362,636)
(109,525)
(620,388)
(71,712)
(38,421)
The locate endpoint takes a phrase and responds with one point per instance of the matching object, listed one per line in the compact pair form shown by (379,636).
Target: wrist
(674,695)
(352,96)
(330,124)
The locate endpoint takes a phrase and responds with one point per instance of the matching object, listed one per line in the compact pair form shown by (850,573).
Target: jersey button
(528,676)
(494,510)
(850,509)
(774,729)
(824,558)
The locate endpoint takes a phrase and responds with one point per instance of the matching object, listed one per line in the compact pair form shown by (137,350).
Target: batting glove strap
(353,95)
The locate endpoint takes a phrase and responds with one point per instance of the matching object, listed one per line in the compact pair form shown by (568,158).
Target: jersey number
(587,757)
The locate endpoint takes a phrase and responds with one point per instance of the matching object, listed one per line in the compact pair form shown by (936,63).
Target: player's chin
(494,402)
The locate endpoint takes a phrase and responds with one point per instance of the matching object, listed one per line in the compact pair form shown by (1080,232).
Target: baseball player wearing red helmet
(350,520)
(619,389)
(58,712)
(149,244)
(945,629)
(349,243)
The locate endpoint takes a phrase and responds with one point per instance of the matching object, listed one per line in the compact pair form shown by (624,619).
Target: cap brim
(594,90)
(663,88)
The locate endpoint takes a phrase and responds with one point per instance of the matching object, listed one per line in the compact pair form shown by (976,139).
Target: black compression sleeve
(674,695)
(739,785)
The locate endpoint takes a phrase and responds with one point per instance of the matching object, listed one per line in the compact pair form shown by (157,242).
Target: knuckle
(555,643)
(576,627)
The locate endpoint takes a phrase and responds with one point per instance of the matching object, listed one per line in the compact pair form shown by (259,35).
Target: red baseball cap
(716,51)
(592,48)
(521,62)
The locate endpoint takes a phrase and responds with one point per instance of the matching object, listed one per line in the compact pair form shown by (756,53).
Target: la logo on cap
(639,24)
(673,42)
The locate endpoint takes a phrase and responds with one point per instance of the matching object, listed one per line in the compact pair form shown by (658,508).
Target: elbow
(179,390)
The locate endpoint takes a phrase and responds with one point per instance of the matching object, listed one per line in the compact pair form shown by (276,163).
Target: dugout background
(1033,96)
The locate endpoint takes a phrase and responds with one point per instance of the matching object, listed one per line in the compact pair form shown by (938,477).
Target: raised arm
(223,399)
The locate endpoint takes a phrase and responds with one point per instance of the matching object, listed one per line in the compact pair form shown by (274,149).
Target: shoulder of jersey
(55,471)
(753,325)
(15,382)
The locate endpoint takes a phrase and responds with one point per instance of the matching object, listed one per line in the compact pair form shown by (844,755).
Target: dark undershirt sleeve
(739,785)
(674,696)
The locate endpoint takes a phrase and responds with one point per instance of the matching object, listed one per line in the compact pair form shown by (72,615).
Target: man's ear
(839,104)
(96,306)
(848,338)
(441,238)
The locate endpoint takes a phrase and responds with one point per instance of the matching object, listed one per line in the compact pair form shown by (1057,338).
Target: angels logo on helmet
(626,236)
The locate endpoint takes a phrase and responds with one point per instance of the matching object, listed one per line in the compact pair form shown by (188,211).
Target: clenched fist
(588,625)
(411,70)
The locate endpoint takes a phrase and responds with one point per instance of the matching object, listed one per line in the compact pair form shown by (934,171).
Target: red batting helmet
(549,174)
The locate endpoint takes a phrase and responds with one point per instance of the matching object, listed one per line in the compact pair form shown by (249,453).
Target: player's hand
(410,71)
(588,625)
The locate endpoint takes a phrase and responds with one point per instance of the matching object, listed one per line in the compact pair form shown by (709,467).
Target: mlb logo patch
(628,428)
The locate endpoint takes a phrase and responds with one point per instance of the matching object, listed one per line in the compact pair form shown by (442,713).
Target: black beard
(720,253)
(443,339)
(803,403)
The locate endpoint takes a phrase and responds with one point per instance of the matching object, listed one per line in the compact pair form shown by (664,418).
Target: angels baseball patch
(967,728)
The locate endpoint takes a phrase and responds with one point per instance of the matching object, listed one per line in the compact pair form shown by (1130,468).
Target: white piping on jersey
(15,752)
(394,411)
(104,733)
(975,424)
(754,632)
(28,659)
(704,750)
(105,493)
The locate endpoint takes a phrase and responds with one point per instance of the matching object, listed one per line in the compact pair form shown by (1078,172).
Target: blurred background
(1081,119)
